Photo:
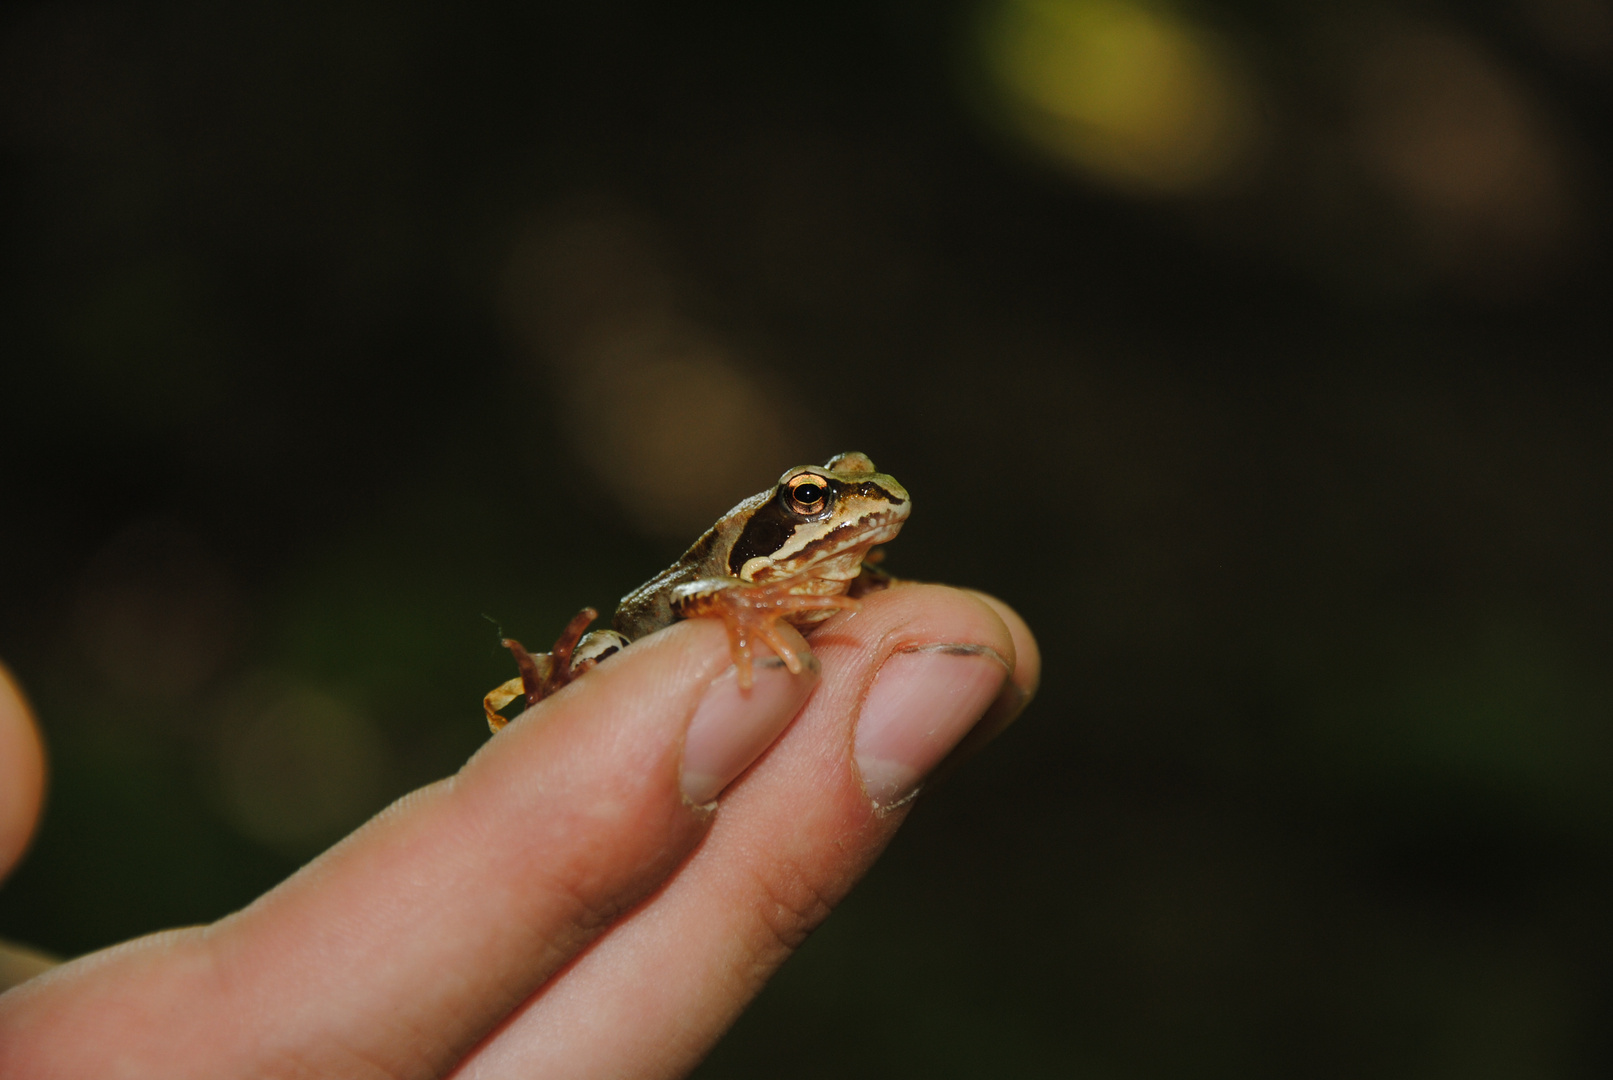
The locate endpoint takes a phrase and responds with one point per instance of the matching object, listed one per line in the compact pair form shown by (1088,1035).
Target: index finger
(396,950)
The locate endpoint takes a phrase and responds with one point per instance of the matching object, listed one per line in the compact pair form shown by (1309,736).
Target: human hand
(561,906)
(22,791)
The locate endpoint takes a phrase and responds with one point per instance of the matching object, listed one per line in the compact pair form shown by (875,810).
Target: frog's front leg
(751,611)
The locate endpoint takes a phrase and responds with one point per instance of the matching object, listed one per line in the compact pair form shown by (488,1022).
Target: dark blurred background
(1257,351)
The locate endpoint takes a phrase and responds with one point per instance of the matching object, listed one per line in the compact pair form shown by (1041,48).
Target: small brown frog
(798,552)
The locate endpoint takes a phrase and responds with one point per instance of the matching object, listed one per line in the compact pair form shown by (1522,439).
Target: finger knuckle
(789,905)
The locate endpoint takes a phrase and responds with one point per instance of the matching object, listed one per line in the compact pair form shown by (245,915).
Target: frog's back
(648,608)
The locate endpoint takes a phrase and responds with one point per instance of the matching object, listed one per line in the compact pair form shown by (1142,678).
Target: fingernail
(732,727)
(922,703)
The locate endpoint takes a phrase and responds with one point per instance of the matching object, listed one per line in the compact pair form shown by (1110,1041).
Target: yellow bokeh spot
(1124,92)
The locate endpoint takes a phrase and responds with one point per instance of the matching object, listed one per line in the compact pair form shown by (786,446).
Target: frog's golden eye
(808,494)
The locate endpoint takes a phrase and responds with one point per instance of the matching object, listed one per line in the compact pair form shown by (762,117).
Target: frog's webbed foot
(541,674)
(750,613)
(499,697)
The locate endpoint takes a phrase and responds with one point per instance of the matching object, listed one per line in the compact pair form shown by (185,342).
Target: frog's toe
(768,632)
(751,613)
(544,673)
(499,697)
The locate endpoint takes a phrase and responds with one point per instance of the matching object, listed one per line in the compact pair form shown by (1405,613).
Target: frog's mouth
(834,553)
(860,535)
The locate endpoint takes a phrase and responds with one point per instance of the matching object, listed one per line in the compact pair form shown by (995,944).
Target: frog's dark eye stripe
(871,490)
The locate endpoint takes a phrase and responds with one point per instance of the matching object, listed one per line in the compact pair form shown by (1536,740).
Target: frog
(799,552)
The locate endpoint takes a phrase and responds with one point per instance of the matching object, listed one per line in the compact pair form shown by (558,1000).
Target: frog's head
(815,514)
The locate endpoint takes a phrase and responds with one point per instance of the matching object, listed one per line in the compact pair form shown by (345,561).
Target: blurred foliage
(1272,388)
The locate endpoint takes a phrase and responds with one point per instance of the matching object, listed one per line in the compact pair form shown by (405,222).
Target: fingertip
(1028,656)
(1025,663)
(22,772)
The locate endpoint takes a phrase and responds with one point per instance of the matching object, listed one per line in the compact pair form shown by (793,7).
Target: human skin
(558,906)
(22,773)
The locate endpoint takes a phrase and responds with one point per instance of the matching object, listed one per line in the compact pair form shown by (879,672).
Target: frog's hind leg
(541,674)
(595,646)
(532,683)
(499,697)
(559,673)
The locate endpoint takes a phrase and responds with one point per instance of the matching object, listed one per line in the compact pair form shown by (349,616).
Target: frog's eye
(808,494)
